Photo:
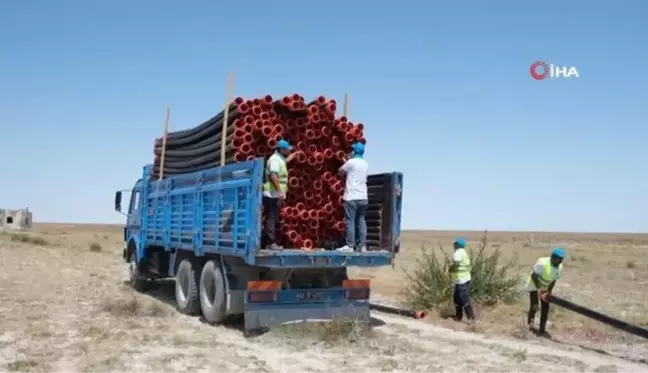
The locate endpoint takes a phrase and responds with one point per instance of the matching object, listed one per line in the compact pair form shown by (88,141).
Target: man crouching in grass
(460,271)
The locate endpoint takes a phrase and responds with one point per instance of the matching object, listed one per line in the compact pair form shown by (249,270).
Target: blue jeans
(354,218)
(462,301)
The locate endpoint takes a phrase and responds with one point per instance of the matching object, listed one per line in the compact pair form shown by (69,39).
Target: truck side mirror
(118,196)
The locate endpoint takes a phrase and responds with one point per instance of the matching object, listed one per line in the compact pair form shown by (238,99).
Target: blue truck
(204,230)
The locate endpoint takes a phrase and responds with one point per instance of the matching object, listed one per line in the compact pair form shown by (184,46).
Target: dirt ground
(65,308)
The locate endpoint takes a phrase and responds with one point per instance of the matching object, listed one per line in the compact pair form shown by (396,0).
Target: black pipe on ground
(417,314)
(608,320)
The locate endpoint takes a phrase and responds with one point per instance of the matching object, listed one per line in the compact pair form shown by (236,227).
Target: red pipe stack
(312,213)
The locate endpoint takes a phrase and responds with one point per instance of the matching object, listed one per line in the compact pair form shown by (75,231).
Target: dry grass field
(64,307)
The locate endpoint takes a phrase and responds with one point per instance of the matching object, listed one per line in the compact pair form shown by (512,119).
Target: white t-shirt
(273,167)
(538,268)
(356,170)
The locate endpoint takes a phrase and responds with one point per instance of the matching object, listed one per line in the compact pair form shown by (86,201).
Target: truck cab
(133,218)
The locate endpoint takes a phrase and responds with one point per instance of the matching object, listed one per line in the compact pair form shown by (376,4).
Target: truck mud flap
(263,316)
(266,305)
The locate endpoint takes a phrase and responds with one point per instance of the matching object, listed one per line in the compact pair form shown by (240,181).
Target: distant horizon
(36,222)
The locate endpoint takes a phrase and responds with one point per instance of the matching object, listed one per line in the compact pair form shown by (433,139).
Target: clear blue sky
(443,88)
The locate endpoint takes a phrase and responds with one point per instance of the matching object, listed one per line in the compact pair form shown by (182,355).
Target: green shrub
(493,280)
(96,247)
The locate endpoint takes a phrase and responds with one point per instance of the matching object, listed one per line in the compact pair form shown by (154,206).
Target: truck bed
(218,211)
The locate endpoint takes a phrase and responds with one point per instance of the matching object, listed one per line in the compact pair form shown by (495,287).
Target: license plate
(306,296)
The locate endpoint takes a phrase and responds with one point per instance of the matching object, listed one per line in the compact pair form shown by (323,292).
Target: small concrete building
(15,219)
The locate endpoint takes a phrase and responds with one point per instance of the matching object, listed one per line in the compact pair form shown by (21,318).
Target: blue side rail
(218,211)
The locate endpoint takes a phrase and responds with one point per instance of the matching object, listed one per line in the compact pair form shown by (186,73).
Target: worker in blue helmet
(460,273)
(356,200)
(542,280)
(275,188)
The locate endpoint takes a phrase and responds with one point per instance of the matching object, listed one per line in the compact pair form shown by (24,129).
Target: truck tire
(212,292)
(135,278)
(186,287)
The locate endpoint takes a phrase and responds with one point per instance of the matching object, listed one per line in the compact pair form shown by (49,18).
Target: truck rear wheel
(212,292)
(186,287)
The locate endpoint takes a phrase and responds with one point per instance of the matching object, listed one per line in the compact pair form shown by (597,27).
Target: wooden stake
(228,102)
(346,106)
(164,143)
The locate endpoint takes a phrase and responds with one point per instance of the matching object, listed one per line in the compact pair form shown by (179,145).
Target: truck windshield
(134,202)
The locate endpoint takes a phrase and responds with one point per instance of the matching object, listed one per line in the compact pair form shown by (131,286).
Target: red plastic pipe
(293,182)
(308,244)
(267,131)
(243,108)
(292,235)
(246,148)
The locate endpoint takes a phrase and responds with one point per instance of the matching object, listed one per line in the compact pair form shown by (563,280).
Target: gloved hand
(544,295)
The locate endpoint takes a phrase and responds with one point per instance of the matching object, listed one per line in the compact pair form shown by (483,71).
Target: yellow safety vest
(545,278)
(268,186)
(462,272)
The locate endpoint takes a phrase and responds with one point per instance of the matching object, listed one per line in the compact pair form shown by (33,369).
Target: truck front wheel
(136,280)
(186,287)
(212,292)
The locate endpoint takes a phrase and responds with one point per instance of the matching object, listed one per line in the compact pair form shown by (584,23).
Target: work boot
(274,247)
(544,334)
(345,249)
(362,249)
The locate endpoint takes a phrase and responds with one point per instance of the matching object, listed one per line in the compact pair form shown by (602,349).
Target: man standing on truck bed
(355,199)
(274,190)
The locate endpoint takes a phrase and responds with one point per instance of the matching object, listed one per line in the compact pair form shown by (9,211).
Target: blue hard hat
(558,252)
(283,144)
(460,242)
(358,148)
